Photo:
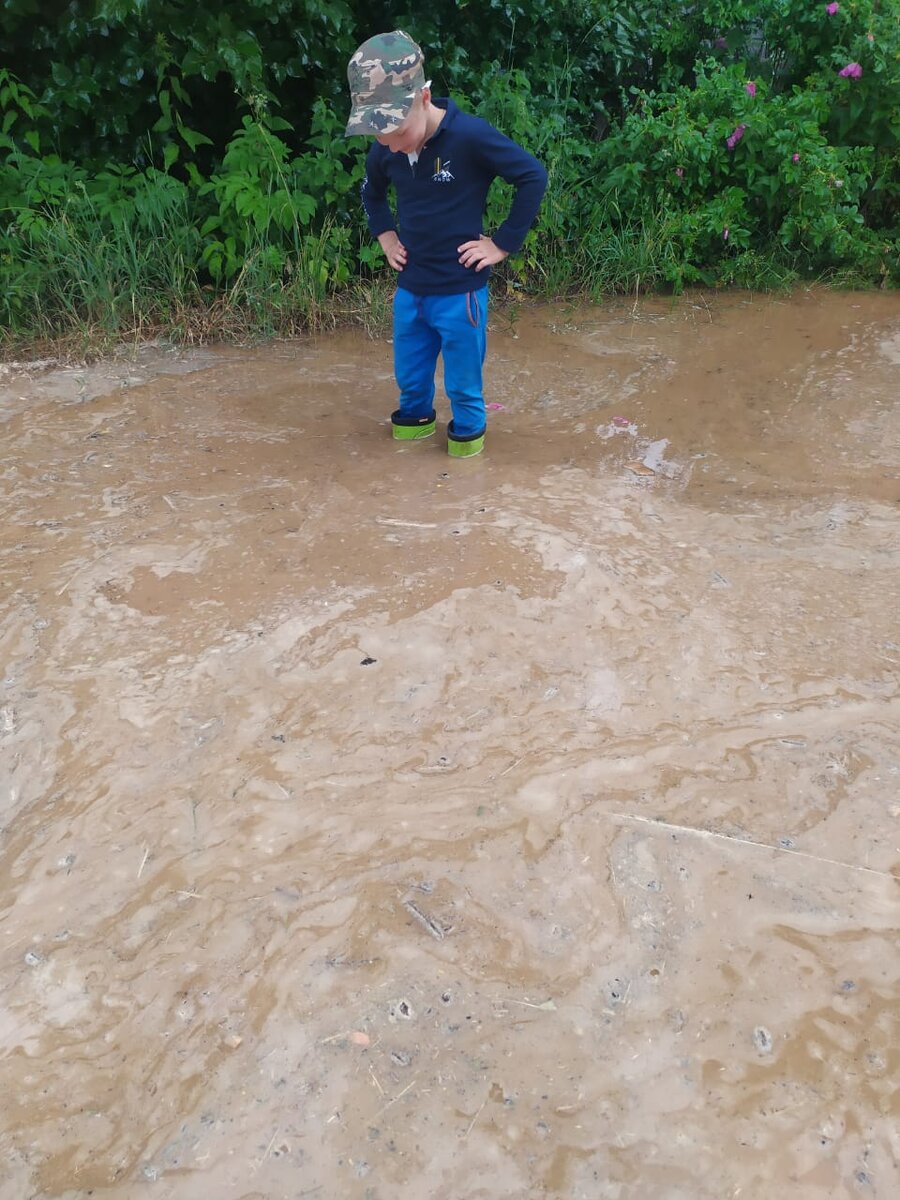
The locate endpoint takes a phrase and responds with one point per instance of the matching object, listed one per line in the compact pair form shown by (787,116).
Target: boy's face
(408,139)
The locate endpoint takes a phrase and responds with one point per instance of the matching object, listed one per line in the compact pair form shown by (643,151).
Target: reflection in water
(381,827)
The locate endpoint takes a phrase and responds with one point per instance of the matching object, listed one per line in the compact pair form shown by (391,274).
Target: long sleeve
(508,160)
(374,193)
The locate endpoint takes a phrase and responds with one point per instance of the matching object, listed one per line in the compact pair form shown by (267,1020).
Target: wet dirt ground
(381,827)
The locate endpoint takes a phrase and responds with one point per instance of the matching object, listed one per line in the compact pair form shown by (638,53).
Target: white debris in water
(611,430)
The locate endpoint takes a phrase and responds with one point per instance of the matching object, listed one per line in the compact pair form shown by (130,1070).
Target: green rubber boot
(464,447)
(405,430)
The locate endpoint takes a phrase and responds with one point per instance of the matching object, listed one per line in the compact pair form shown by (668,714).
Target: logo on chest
(442,173)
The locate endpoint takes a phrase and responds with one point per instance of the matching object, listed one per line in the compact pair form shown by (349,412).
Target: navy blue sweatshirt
(441,199)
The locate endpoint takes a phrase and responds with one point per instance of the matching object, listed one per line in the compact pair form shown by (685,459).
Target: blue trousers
(456,327)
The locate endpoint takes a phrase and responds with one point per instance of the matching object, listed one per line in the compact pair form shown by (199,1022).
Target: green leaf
(192,138)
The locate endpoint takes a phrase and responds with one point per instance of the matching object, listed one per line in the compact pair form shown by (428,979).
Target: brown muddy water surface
(381,827)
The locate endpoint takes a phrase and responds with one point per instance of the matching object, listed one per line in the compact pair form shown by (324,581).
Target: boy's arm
(374,194)
(378,212)
(503,157)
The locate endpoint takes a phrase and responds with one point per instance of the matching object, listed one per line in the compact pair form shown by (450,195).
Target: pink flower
(870,37)
(795,158)
(725,234)
(736,135)
(851,71)
(831,9)
(679,171)
(750,88)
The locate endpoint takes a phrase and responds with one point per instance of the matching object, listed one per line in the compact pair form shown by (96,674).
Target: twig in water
(436,931)
(712,835)
(375,1081)
(510,767)
(405,524)
(474,1119)
(143,862)
(399,1096)
(268,1150)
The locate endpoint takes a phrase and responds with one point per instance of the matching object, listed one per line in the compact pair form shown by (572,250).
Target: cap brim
(370,120)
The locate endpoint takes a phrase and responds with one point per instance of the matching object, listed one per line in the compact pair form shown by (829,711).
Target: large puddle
(377,826)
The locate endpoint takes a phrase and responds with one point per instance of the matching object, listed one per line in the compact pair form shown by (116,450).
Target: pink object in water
(495,407)
(622,422)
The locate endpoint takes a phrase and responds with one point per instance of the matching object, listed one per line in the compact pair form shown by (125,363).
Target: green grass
(90,279)
(77,278)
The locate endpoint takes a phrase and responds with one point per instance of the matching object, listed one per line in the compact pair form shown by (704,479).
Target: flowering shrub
(741,170)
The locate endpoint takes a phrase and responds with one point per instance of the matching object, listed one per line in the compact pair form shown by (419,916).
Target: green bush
(738,172)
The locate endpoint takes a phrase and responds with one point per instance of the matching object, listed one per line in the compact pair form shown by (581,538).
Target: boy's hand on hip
(394,250)
(483,253)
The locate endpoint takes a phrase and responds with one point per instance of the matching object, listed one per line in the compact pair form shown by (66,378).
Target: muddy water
(385,828)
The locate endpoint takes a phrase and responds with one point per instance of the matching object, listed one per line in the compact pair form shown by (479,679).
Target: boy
(441,163)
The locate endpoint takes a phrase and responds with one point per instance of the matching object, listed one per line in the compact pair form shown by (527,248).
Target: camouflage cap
(384,75)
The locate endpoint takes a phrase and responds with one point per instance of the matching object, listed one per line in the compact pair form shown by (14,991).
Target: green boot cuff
(465,449)
(413,433)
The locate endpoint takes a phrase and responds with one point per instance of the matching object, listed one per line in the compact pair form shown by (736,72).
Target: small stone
(617,992)
(367,661)
(402,1010)
(34,958)
(762,1040)
(233,1041)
